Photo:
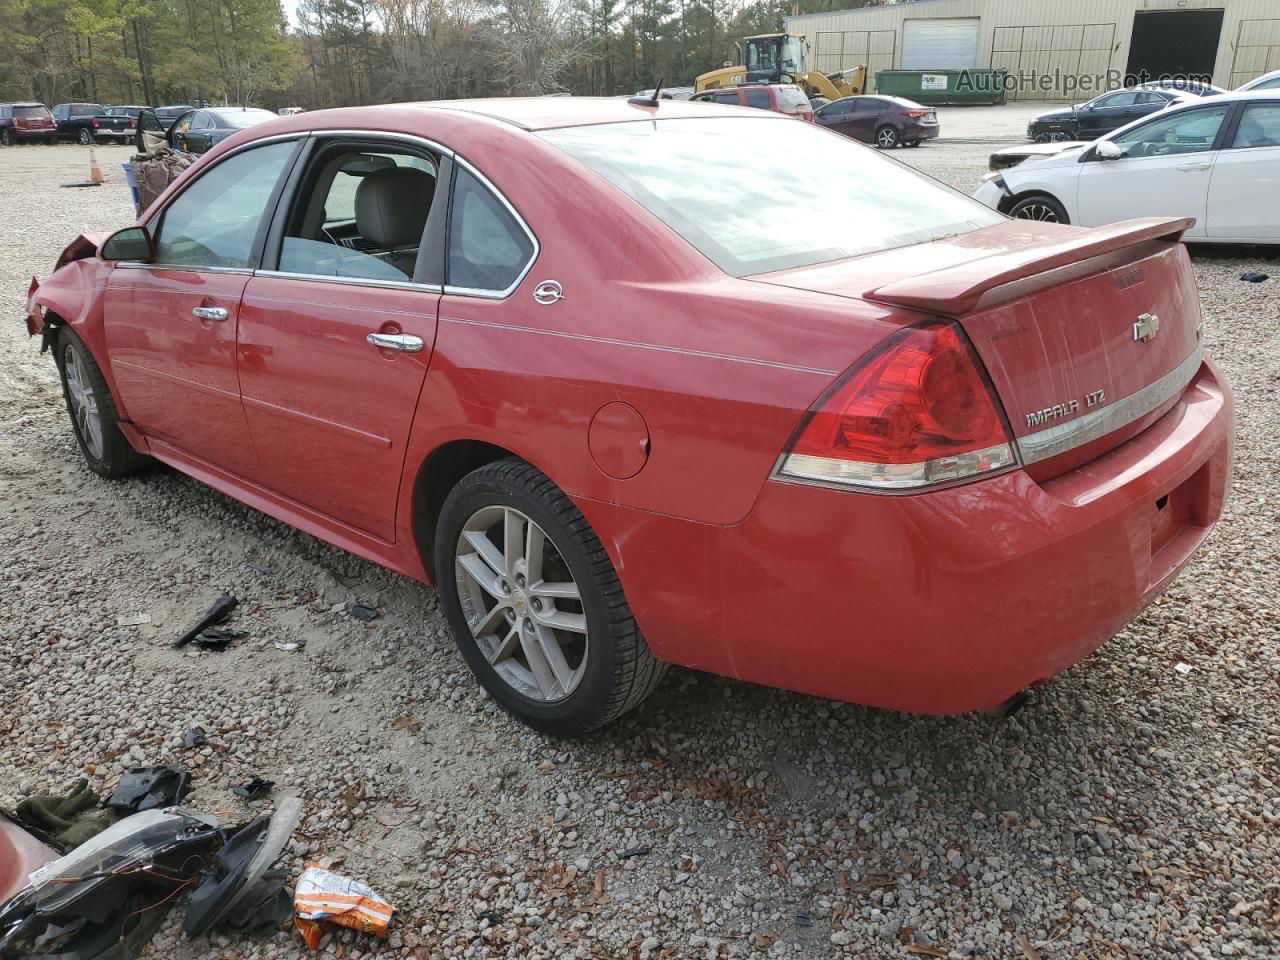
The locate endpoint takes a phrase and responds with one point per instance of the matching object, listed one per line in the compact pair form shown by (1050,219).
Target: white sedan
(1216,159)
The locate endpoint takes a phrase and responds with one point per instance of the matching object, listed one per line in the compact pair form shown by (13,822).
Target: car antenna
(651,101)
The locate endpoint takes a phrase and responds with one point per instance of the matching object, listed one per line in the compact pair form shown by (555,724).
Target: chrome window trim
(356,281)
(186,267)
(1062,437)
(386,135)
(485,294)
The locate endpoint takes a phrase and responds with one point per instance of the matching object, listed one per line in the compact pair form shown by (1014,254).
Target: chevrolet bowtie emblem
(1146,328)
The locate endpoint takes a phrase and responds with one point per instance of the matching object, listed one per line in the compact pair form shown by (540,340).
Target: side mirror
(1106,150)
(131,243)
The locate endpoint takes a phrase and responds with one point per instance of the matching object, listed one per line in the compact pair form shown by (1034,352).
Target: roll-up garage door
(940,44)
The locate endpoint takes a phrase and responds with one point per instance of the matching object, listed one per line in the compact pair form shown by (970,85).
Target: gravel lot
(1131,811)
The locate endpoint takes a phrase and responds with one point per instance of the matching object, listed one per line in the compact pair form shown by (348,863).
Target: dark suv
(75,120)
(26,121)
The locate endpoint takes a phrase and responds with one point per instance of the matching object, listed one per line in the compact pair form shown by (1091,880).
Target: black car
(24,122)
(75,120)
(167,114)
(1101,115)
(198,130)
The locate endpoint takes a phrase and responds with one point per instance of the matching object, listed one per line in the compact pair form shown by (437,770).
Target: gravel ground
(1131,811)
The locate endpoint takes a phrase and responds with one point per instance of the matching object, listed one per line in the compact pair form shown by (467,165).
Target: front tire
(1039,207)
(886,138)
(93,412)
(535,604)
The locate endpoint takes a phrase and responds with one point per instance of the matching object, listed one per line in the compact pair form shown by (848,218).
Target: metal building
(1043,44)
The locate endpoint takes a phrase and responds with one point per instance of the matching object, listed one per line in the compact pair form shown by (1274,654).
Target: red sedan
(878,443)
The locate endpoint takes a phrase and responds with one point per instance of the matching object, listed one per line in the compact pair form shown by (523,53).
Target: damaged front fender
(71,291)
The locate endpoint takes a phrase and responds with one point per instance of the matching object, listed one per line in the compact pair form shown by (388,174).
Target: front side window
(488,249)
(728,96)
(1192,131)
(1259,126)
(741,219)
(361,214)
(1116,100)
(213,223)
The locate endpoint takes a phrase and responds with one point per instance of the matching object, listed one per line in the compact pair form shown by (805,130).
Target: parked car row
(199,128)
(884,121)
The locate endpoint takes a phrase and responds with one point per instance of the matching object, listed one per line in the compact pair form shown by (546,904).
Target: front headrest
(392,205)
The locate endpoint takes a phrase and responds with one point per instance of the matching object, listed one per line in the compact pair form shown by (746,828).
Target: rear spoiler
(954,291)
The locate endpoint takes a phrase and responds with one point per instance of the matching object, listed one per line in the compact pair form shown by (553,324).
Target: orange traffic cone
(95,171)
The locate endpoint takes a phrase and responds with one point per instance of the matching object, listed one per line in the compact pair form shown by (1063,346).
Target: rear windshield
(244,118)
(31,111)
(86,110)
(719,183)
(792,97)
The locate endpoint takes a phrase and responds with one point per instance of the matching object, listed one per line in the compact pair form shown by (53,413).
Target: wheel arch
(437,474)
(1008,199)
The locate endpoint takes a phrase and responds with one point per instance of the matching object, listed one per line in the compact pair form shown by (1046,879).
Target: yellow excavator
(779,58)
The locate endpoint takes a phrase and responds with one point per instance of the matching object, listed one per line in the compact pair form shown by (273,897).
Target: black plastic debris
(240,891)
(220,610)
(107,898)
(803,919)
(64,822)
(1254,277)
(361,612)
(193,738)
(253,790)
(215,638)
(492,916)
(635,852)
(149,788)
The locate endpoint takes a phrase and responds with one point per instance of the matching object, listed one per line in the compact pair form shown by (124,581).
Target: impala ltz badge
(1064,409)
(1146,327)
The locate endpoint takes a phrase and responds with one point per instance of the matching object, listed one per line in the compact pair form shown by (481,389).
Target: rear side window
(760,99)
(1259,126)
(792,97)
(488,248)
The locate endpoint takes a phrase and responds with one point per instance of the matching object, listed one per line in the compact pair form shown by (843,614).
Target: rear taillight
(94,121)
(132,123)
(916,114)
(917,412)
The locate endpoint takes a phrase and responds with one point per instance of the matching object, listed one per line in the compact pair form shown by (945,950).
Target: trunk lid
(1087,335)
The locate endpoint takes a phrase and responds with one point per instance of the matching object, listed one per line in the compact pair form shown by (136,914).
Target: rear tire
(1039,207)
(93,412)
(85,136)
(558,648)
(886,138)
(913,143)
(6,137)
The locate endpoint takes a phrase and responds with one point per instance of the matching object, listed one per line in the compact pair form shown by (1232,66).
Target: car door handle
(1192,167)
(209,313)
(403,342)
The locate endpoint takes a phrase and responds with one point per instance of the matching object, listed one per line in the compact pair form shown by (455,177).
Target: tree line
(353,52)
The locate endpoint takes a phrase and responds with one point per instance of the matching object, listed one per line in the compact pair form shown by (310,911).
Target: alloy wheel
(1036,211)
(6,137)
(521,603)
(84,405)
(86,137)
(887,138)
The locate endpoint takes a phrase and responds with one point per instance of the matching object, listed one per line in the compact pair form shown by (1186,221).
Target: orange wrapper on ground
(322,895)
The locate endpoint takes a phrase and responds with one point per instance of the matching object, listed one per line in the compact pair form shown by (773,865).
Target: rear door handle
(209,313)
(402,342)
(1192,167)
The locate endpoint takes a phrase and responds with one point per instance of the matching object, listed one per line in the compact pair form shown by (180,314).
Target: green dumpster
(955,87)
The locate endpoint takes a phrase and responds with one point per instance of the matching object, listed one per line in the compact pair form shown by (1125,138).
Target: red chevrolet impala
(861,438)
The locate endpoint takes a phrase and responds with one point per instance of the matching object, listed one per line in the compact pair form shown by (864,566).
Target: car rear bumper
(948,601)
(920,131)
